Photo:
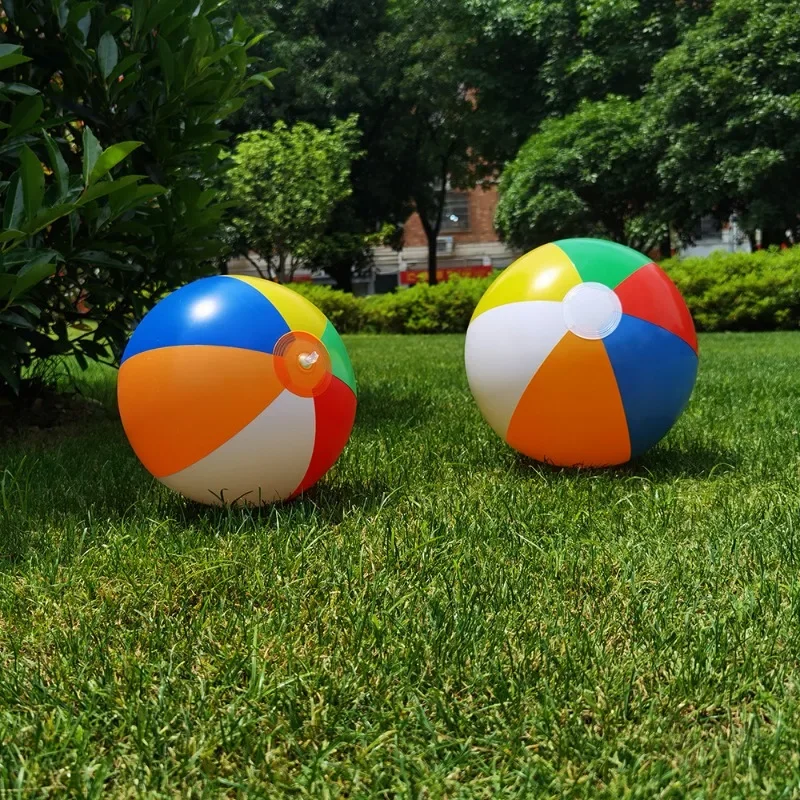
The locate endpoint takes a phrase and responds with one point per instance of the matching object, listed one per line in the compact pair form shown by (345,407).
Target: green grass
(439,618)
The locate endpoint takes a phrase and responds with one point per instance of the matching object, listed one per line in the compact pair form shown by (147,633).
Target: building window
(708,227)
(455,215)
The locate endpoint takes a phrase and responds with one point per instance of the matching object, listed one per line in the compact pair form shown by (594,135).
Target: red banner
(411,276)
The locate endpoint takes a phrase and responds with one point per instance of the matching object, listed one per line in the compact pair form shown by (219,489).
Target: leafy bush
(161,73)
(741,291)
(724,292)
(443,308)
(285,184)
(344,310)
(44,221)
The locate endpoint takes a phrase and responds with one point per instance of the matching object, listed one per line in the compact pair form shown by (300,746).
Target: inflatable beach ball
(236,390)
(582,353)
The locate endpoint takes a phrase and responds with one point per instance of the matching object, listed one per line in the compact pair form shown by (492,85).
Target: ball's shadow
(380,407)
(328,503)
(663,462)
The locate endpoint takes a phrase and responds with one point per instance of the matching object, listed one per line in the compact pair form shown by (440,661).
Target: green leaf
(14,208)
(9,371)
(166,59)
(11,55)
(147,193)
(84,25)
(91,152)
(239,58)
(7,283)
(30,307)
(80,10)
(107,54)
(242,30)
(256,39)
(47,217)
(62,9)
(9,9)
(222,52)
(126,64)
(18,88)
(22,255)
(101,259)
(133,196)
(110,157)
(25,115)
(11,234)
(138,15)
(203,35)
(231,107)
(32,174)
(159,12)
(107,187)
(120,86)
(15,320)
(264,78)
(58,165)
(34,272)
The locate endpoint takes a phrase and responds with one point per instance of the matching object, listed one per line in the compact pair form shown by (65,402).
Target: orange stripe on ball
(178,404)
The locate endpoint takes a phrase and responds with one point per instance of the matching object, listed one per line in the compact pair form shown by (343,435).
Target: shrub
(443,308)
(43,221)
(344,310)
(741,291)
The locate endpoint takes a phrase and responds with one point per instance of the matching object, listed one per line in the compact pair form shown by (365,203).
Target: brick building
(467,242)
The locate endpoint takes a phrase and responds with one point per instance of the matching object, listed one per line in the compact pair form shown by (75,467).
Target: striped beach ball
(582,353)
(236,390)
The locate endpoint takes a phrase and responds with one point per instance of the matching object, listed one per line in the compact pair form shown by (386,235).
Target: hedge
(741,291)
(724,292)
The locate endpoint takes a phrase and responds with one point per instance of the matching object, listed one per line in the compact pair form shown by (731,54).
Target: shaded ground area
(439,617)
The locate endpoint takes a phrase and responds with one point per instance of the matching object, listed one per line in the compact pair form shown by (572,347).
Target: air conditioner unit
(445,245)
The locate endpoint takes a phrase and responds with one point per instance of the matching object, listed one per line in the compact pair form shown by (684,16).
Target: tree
(285,184)
(402,67)
(335,52)
(591,173)
(162,73)
(536,60)
(726,110)
(441,122)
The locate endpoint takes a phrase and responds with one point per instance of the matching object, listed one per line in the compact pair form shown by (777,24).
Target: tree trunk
(342,273)
(433,256)
(432,223)
(431,234)
(257,267)
(665,246)
(772,236)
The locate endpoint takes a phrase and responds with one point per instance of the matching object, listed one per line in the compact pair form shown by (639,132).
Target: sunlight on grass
(439,617)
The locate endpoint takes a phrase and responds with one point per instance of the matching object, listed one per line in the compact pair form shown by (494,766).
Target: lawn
(439,618)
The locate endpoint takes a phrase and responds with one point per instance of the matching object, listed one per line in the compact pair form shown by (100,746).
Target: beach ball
(581,353)
(236,390)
